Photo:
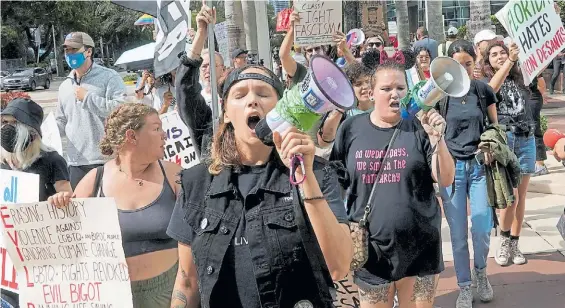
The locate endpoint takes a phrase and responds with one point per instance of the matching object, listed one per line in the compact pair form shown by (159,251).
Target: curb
(546,187)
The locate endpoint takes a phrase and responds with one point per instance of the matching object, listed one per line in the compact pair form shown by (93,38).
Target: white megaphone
(448,78)
(324,88)
(355,37)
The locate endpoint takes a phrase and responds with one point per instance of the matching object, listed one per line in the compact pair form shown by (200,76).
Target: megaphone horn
(324,88)
(355,37)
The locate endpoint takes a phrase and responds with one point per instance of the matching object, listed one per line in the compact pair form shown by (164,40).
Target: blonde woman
(22,150)
(145,192)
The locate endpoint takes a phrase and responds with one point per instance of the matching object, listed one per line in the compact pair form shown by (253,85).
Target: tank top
(144,230)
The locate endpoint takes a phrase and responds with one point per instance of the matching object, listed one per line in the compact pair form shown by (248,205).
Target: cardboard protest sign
(71,257)
(537,29)
(178,147)
(51,136)
(347,293)
(222,39)
(319,20)
(15,187)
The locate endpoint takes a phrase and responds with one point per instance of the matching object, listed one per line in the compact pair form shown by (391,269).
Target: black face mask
(8,134)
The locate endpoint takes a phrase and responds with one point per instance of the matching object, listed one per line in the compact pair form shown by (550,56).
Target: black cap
(237,52)
(25,111)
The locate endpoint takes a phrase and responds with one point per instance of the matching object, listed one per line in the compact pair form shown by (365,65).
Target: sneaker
(484,289)
(502,256)
(540,170)
(465,298)
(517,256)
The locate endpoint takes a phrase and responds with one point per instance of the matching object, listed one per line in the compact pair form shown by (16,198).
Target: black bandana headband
(236,76)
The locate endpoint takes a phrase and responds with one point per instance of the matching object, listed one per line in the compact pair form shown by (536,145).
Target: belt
(515,130)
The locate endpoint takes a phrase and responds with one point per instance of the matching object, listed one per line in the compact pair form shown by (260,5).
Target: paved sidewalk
(538,284)
(552,183)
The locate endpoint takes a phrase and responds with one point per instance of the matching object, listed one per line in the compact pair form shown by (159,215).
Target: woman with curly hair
(145,192)
(504,76)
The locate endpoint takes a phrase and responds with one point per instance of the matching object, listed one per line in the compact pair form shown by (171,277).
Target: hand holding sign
(294,19)
(514,52)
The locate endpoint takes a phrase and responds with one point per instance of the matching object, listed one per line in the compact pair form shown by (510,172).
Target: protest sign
(283,20)
(171,24)
(537,29)
(50,134)
(15,187)
(319,20)
(222,39)
(71,257)
(347,293)
(178,147)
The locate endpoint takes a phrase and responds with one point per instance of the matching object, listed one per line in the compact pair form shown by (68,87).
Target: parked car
(2,75)
(27,79)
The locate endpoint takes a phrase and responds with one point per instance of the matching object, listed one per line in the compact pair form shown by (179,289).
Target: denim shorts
(524,146)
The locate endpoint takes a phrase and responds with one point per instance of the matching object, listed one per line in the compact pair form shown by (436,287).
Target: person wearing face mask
(86,97)
(392,165)
(247,236)
(22,150)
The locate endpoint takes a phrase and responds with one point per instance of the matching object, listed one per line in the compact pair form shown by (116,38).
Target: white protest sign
(319,20)
(50,134)
(15,187)
(347,293)
(222,38)
(537,29)
(178,147)
(72,257)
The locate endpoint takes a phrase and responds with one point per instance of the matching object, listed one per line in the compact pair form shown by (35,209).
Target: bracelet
(313,198)
(512,61)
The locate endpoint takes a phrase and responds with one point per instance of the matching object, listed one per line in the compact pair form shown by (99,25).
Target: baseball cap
(25,111)
(237,52)
(484,35)
(452,31)
(78,39)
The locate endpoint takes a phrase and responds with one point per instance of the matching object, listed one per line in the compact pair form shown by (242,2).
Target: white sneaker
(484,289)
(465,298)
(517,256)
(502,256)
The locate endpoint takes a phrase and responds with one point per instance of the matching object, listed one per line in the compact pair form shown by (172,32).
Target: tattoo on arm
(377,295)
(183,273)
(179,300)
(424,289)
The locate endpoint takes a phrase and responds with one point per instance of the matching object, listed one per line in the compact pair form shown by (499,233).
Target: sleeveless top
(144,230)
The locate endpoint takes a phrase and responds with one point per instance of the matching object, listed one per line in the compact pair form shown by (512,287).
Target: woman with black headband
(247,237)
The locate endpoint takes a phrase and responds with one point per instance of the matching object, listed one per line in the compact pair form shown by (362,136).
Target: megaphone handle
(438,128)
(295,161)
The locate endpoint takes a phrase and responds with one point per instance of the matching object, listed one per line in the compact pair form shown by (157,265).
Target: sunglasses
(310,50)
(375,44)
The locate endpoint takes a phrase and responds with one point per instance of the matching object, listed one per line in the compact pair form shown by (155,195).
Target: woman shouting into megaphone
(392,164)
(247,237)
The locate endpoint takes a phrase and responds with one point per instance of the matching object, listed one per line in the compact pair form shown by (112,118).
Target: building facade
(455,12)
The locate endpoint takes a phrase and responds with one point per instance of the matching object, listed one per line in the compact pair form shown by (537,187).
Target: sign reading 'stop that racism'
(319,20)
(537,29)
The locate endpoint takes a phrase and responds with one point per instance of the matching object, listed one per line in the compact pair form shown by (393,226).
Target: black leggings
(557,67)
(535,105)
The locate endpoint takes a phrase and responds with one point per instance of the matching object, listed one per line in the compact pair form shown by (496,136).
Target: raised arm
(287,61)
(192,106)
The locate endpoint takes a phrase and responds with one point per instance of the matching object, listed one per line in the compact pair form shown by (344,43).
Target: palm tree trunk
(435,21)
(250,26)
(402,23)
(480,17)
(351,16)
(234,24)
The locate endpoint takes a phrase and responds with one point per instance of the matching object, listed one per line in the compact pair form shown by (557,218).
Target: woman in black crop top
(247,237)
(145,192)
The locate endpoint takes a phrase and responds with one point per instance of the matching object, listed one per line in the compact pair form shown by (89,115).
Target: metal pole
(213,77)
(55,49)
(427,15)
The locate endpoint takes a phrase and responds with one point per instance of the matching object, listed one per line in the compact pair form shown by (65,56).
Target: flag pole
(213,77)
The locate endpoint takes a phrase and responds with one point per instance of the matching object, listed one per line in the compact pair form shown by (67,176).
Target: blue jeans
(470,181)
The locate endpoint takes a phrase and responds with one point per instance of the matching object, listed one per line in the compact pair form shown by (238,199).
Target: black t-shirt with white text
(465,123)
(51,168)
(405,218)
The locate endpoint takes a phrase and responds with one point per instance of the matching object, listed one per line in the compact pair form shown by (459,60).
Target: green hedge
(130,77)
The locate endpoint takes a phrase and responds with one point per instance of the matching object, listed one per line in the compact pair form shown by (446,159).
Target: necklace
(139,181)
